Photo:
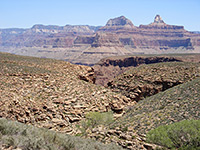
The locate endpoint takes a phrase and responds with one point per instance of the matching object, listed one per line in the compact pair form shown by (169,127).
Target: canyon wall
(83,44)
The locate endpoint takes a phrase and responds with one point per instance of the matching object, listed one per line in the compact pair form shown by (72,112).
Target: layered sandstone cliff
(157,35)
(83,44)
(45,36)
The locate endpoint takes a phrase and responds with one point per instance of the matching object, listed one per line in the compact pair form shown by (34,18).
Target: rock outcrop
(117,24)
(52,94)
(119,21)
(157,35)
(57,95)
(173,105)
(158,19)
(108,68)
(147,80)
(88,75)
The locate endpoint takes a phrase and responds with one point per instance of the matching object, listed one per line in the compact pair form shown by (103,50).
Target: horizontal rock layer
(83,44)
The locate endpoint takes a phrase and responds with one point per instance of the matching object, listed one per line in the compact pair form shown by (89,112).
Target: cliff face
(83,44)
(109,68)
(45,36)
(147,80)
(136,61)
(118,32)
(173,105)
(157,35)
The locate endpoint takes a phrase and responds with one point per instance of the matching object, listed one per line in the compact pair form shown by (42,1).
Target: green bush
(181,135)
(94,119)
(97,118)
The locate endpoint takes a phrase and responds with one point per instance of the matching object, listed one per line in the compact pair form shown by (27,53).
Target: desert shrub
(28,137)
(31,138)
(182,135)
(94,119)
(97,118)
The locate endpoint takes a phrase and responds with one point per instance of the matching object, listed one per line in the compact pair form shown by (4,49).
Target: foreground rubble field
(50,93)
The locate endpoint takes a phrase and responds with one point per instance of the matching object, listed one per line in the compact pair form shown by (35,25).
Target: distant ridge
(84,44)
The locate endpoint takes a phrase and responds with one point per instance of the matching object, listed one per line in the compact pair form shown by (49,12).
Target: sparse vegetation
(49,93)
(184,135)
(28,137)
(173,105)
(94,119)
(146,80)
(17,135)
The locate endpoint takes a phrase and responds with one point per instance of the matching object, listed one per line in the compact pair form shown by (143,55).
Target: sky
(26,13)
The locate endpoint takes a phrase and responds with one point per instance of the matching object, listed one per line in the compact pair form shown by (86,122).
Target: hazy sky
(26,13)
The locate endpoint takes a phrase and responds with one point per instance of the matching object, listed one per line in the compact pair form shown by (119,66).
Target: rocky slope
(50,93)
(173,105)
(108,68)
(147,80)
(84,44)
(57,95)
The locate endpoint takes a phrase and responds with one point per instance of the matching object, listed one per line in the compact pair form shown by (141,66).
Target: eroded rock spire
(158,19)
